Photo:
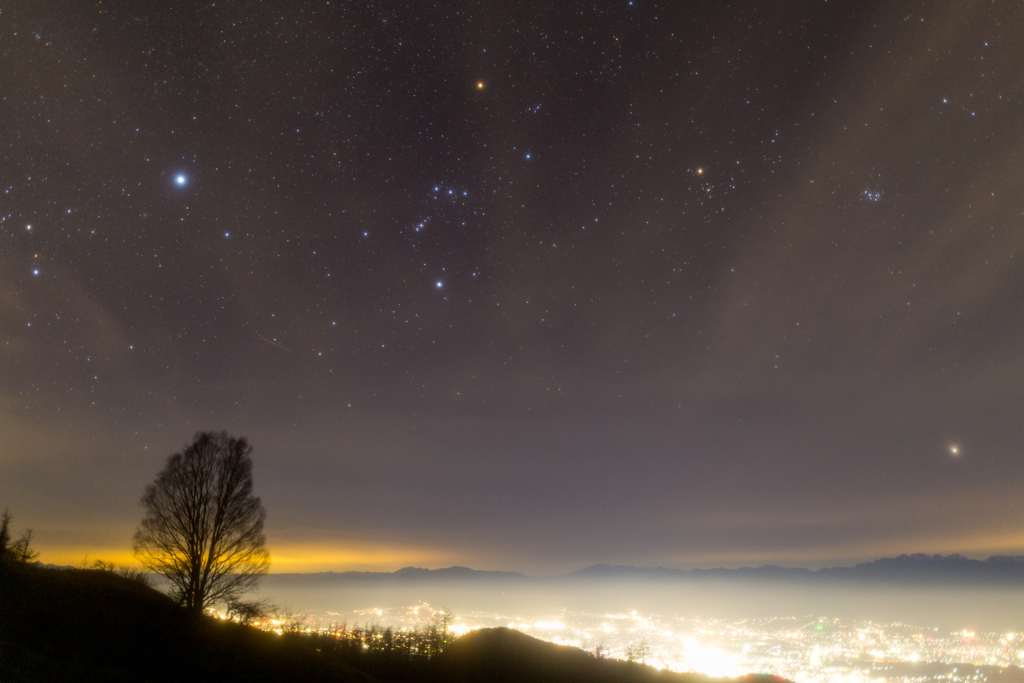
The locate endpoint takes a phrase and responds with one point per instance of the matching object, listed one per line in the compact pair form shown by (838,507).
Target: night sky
(523,286)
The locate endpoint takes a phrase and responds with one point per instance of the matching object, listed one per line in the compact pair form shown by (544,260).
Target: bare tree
(124,571)
(20,550)
(638,652)
(443,620)
(247,612)
(203,527)
(5,536)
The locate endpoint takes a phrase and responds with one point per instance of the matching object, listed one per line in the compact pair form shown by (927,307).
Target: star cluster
(639,268)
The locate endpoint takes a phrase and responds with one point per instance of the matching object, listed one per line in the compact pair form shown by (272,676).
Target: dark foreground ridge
(504,655)
(89,625)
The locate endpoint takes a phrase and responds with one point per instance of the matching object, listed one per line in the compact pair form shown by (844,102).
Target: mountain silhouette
(917,568)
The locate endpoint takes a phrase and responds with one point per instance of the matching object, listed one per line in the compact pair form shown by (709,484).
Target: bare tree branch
(203,527)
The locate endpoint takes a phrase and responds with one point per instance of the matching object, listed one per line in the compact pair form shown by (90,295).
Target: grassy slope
(79,625)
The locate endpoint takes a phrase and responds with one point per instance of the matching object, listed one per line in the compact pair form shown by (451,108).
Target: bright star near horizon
(654,348)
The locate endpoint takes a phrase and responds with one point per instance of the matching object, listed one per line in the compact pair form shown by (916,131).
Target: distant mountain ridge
(406,574)
(998,569)
(917,567)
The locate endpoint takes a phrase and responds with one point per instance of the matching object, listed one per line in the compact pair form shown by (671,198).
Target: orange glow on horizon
(339,556)
(284,557)
(83,556)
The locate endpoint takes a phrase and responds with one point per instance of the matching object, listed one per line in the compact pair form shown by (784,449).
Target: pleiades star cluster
(525,285)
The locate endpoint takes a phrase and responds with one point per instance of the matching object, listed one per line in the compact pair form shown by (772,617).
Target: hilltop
(502,655)
(91,625)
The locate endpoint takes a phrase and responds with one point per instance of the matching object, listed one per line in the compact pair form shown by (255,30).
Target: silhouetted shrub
(15,551)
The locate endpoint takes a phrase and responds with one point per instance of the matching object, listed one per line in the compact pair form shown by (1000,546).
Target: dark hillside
(501,655)
(88,625)
(80,625)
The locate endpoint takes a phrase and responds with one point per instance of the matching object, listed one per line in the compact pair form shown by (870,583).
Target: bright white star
(180,179)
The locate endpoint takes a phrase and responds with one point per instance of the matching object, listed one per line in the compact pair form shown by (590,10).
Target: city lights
(803,650)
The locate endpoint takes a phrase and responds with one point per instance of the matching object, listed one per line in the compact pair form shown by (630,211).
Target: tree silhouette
(203,528)
(247,612)
(20,550)
(5,534)
(443,620)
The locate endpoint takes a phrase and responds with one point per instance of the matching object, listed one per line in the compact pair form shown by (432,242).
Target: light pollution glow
(340,556)
(313,557)
(284,557)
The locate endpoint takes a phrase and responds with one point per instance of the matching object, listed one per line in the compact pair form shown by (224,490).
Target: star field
(527,287)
